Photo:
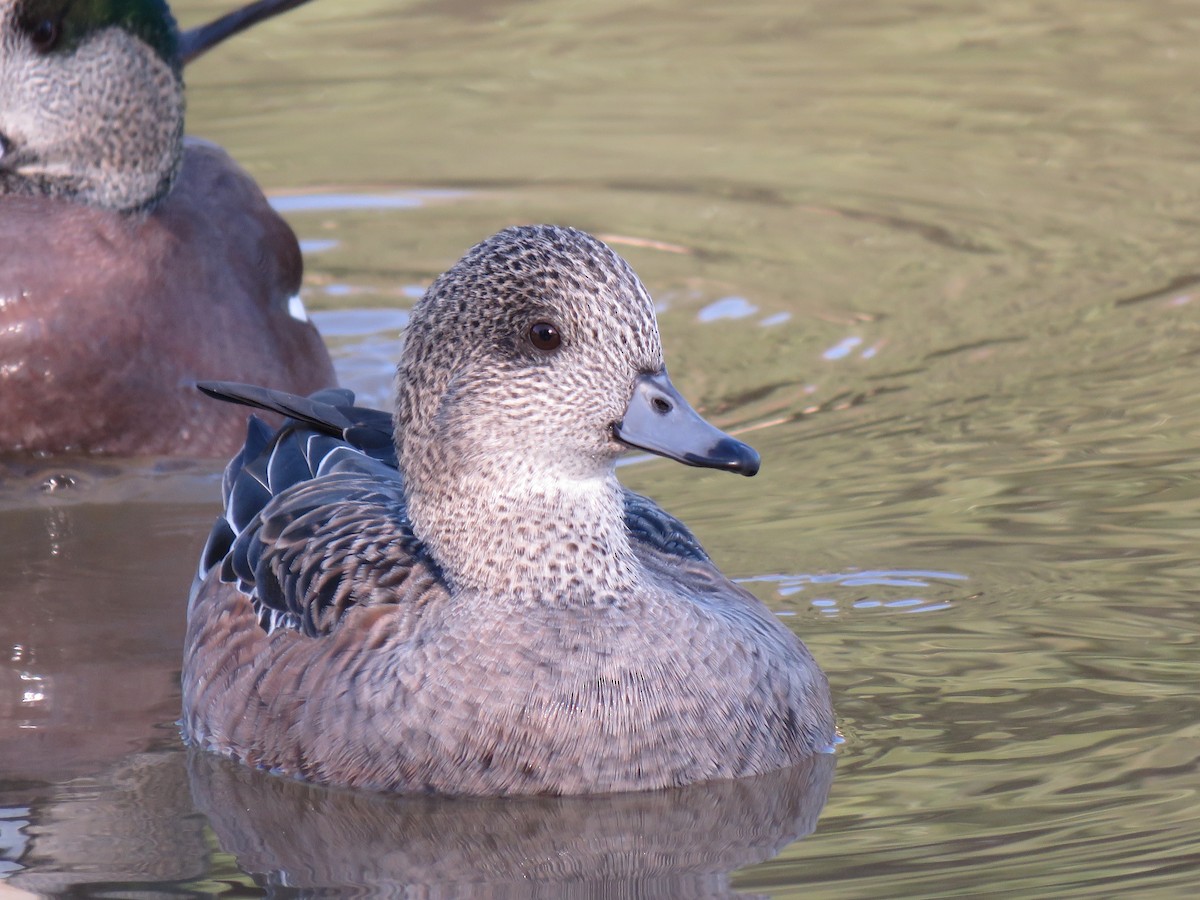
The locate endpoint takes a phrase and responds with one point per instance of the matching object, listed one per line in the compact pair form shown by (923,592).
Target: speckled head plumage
(473,381)
(91,100)
(91,96)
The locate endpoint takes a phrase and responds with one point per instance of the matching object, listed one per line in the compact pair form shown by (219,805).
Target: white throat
(544,540)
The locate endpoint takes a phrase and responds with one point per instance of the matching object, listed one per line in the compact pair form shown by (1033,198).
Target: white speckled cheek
(7,41)
(138,130)
(103,123)
(13,71)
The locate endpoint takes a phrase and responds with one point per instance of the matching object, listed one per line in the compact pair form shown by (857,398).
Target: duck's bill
(658,419)
(199,40)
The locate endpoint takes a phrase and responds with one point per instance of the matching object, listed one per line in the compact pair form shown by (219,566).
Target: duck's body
(131,263)
(375,673)
(135,308)
(503,618)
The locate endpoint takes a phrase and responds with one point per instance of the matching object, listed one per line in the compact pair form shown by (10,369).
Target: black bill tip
(658,419)
(729,454)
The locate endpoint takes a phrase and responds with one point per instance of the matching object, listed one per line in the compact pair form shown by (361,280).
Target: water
(936,261)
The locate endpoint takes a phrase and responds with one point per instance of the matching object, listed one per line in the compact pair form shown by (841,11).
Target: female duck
(499,616)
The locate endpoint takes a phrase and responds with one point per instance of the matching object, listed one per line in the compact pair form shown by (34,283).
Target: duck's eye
(44,35)
(544,336)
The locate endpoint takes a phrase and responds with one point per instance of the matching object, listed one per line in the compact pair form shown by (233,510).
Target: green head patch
(60,26)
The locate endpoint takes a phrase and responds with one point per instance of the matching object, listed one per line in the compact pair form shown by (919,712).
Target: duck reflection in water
(681,842)
(136,825)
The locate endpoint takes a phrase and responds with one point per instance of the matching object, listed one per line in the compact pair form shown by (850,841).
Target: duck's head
(91,96)
(91,100)
(537,358)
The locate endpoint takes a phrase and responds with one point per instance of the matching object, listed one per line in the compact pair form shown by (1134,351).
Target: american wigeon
(480,607)
(132,262)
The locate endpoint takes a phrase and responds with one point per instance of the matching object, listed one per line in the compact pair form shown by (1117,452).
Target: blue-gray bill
(658,419)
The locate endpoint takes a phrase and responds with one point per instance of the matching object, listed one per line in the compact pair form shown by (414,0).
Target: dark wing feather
(328,544)
(314,524)
(330,412)
(653,526)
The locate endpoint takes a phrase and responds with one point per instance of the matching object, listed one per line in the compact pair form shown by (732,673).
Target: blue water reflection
(787,586)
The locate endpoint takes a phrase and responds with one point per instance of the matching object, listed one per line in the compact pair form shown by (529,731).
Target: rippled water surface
(937,261)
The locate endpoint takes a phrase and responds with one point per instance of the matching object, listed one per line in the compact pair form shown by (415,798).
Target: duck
(459,597)
(133,261)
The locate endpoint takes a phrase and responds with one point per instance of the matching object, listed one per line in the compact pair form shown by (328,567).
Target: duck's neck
(558,542)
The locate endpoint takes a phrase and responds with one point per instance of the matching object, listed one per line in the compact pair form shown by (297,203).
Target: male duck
(499,616)
(131,262)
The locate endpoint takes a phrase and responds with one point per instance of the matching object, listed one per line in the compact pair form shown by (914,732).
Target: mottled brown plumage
(503,618)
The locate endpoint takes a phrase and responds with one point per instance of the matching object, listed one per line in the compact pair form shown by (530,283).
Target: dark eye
(44,35)
(544,336)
